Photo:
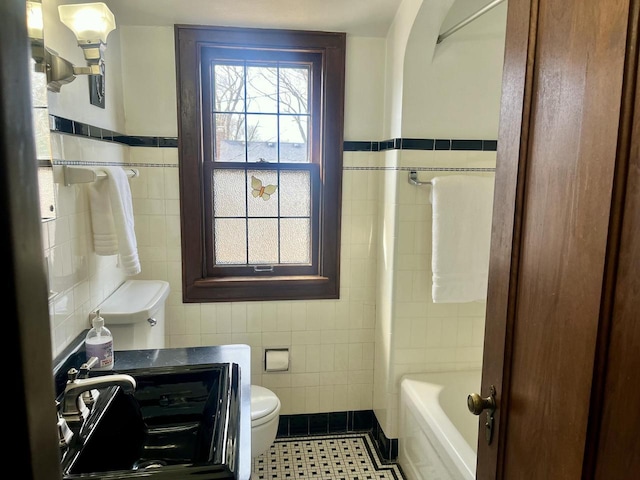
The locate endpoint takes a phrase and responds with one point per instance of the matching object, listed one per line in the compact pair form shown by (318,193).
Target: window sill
(231,289)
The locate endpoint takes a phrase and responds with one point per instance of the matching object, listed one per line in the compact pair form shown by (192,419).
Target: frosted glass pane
(230,241)
(294,90)
(229,193)
(294,131)
(263,135)
(228,87)
(262,89)
(229,138)
(262,193)
(263,241)
(295,240)
(295,193)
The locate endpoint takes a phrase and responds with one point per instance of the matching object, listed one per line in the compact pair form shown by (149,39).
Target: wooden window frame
(198,284)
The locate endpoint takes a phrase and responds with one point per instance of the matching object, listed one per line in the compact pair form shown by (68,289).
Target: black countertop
(127,360)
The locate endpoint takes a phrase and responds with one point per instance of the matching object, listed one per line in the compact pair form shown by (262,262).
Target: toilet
(135,314)
(265,414)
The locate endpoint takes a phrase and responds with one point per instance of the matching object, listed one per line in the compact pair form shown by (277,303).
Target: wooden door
(563,309)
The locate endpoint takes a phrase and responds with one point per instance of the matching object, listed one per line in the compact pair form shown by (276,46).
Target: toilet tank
(135,314)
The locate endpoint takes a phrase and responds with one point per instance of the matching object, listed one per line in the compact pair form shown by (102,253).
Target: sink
(180,422)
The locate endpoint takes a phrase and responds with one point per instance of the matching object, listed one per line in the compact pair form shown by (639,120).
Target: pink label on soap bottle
(104,352)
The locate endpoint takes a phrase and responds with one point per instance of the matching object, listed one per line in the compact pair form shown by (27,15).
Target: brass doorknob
(477,404)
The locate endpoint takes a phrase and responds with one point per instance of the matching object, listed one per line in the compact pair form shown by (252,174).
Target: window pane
(294,90)
(229,198)
(295,240)
(263,241)
(262,89)
(262,193)
(263,135)
(294,131)
(230,241)
(229,138)
(295,193)
(228,86)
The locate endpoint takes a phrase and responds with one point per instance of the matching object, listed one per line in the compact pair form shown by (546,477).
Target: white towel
(105,240)
(461,237)
(112,219)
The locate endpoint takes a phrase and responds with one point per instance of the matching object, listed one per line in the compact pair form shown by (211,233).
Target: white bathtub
(437,433)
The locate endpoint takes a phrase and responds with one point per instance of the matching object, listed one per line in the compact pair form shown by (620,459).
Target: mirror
(39,104)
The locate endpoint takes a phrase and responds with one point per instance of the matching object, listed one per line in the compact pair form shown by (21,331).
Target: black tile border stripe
(422,144)
(325,423)
(304,424)
(73,127)
(387,447)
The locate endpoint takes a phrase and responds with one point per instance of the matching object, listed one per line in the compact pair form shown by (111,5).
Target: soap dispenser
(99,344)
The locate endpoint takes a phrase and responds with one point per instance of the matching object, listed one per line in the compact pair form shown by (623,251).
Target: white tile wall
(425,336)
(331,341)
(78,279)
(334,344)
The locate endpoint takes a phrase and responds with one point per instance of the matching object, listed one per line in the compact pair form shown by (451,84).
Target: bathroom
(347,354)
(332,343)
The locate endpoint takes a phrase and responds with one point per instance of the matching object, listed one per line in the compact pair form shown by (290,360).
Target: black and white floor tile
(323,457)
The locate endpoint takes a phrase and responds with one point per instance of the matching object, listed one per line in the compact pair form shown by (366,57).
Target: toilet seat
(265,405)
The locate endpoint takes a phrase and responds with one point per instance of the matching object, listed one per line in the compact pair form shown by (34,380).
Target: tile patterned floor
(324,457)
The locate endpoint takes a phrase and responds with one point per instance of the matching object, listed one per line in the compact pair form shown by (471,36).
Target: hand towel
(105,240)
(461,237)
(114,217)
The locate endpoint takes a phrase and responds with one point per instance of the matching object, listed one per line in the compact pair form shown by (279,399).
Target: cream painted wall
(364,84)
(149,74)
(394,69)
(150,79)
(452,89)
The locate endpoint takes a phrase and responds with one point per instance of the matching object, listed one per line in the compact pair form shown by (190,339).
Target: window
(260,121)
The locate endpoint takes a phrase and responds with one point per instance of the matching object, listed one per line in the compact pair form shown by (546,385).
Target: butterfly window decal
(258,190)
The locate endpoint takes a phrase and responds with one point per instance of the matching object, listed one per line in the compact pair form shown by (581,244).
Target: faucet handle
(72,374)
(89,396)
(64,432)
(87,366)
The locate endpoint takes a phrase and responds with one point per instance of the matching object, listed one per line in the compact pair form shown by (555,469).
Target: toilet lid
(263,402)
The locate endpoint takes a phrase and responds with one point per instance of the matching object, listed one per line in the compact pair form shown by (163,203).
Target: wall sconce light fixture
(90,22)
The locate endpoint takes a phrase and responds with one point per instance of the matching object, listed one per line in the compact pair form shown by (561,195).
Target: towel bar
(413,174)
(72,175)
(413,179)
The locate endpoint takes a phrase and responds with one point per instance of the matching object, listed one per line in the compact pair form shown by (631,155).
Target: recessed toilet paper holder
(276,359)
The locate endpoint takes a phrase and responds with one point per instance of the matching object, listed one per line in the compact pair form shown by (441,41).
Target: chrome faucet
(74,409)
(80,393)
